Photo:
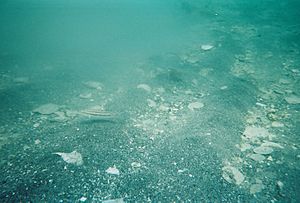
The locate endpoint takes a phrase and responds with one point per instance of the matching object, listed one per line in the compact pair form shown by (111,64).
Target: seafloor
(149,102)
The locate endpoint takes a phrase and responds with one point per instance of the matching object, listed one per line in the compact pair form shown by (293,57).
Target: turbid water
(149,101)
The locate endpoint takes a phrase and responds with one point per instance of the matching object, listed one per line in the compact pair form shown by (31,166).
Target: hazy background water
(49,50)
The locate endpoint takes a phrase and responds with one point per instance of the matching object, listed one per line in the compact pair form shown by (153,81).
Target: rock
(136,165)
(47,109)
(284,81)
(82,199)
(255,188)
(257,157)
(93,85)
(280,185)
(71,158)
(95,111)
(271,144)
(151,103)
(182,170)
(163,107)
(21,80)
(85,96)
(232,175)
(145,87)
(277,124)
(293,99)
(206,47)
(244,147)
(263,150)
(252,132)
(120,200)
(60,117)
(113,171)
(260,104)
(195,105)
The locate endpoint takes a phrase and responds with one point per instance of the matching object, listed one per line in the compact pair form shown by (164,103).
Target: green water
(163,101)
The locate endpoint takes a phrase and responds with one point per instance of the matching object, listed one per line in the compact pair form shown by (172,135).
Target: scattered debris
(71,158)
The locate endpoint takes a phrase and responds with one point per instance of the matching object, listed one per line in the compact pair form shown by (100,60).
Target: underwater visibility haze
(149,101)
